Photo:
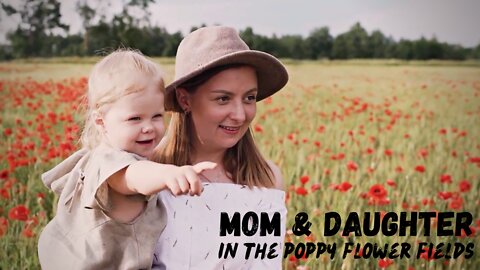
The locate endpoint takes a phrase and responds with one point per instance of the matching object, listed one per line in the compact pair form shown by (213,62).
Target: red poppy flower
(388,152)
(4,193)
(445,195)
(4,174)
(3,226)
(342,187)
(384,263)
(420,168)
(446,178)
(352,166)
(456,203)
(425,255)
(304,179)
(391,182)
(7,131)
(258,128)
(423,152)
(19,212)
(377,191)
(27,232)
(301,191)
(465,186)
(464,234)
(315,187)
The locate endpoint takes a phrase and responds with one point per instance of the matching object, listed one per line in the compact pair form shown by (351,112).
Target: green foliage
(34,37)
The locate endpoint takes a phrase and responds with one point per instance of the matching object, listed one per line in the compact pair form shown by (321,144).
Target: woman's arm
(277,174)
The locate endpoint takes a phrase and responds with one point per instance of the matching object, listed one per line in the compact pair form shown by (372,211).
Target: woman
(218,80)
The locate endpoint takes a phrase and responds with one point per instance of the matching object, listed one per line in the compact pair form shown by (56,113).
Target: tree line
(41,33)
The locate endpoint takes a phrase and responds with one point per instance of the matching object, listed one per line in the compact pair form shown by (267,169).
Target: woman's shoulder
(277,175)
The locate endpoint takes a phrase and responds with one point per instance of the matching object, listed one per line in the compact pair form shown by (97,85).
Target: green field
(353,136)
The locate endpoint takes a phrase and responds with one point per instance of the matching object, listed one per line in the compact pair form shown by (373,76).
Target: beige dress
(82,235)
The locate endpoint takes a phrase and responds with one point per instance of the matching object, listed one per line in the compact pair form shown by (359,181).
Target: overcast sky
(452,21)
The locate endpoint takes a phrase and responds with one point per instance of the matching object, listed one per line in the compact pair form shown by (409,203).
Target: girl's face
(135,123)
(222,108)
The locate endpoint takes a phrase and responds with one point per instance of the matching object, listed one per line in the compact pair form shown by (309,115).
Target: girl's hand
(185,179)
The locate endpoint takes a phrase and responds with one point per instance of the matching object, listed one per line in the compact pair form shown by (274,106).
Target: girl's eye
(136,118)
(158,115)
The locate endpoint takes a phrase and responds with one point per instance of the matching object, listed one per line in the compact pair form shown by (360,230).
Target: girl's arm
(148,177)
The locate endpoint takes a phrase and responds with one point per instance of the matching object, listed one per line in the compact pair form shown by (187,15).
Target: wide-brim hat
(215,46)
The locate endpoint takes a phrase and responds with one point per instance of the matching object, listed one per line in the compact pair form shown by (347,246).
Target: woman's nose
(238,112)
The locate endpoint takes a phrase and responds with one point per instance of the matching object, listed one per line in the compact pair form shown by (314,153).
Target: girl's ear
(183,98)
(98,119)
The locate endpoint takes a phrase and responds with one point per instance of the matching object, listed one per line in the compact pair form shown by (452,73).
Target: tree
(39,18)
(378,45)
(294,45)
(87,13)
(320,43)
(404,50)
(352,44)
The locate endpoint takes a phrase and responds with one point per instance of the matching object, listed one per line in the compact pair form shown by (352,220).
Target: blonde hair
(120,73)
(243,161)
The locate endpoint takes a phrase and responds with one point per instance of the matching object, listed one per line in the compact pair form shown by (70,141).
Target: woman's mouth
(231,130)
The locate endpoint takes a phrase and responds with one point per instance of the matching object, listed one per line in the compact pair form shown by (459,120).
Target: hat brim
(271,74)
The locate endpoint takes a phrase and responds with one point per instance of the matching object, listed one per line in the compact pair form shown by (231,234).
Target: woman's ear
(183,98)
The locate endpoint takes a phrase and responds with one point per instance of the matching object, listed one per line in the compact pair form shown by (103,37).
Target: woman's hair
(120,73)
(243,161)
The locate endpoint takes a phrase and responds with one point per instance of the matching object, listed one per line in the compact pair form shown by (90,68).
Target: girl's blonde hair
(243,161)
(120,73)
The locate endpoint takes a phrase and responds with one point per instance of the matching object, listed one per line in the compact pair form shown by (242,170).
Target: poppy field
(348,137)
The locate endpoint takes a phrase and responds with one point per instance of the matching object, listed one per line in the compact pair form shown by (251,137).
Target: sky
(452,21)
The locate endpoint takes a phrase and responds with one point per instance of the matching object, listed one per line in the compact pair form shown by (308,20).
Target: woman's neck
(217,175)
(202,155)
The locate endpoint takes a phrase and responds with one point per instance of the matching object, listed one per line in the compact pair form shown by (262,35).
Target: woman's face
(222,108)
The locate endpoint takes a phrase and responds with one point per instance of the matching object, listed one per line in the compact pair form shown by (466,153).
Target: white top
(191,239)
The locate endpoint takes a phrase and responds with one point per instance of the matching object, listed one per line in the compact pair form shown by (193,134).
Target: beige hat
(216,46)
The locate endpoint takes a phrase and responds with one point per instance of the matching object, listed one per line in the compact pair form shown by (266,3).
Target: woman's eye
(136,118)
(251,98)
(223,98)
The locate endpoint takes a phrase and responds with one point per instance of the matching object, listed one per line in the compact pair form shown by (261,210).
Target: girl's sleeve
(104,163)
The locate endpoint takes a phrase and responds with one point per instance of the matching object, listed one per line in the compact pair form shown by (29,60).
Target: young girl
(107,215)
